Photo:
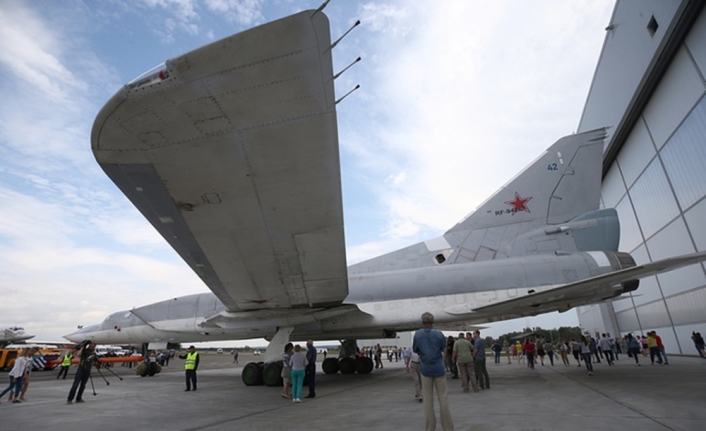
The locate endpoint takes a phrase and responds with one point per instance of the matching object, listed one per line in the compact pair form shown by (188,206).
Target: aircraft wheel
(330,365)
(272,374)
(363,365)
(346,365)
(252,374)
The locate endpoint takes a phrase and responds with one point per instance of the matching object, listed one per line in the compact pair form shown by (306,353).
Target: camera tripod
(107,383)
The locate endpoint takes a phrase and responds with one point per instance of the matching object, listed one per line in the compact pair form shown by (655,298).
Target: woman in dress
(287,370)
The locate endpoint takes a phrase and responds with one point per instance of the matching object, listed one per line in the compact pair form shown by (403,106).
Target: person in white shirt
(17,375)
(605,346)
(412,363)
(586,354)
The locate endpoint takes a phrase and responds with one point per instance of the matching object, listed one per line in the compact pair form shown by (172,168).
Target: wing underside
(231,152)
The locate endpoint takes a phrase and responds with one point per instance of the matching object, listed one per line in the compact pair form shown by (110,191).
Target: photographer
(86,353)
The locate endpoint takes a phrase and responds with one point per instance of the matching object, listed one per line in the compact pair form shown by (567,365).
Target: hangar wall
(650,85)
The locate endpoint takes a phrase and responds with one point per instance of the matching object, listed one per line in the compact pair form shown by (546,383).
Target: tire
(252,374)
(330,365)
(272,374)
(346,365)
(363,365)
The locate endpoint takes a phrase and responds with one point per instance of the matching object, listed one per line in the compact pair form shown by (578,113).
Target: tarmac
(621,397)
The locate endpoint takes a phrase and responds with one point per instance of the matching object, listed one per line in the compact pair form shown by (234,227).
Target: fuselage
(384,302)
(13,335)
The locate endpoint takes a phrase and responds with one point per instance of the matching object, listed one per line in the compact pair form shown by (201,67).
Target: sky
(456,97)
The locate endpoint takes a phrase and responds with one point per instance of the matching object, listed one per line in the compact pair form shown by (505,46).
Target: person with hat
(191,363)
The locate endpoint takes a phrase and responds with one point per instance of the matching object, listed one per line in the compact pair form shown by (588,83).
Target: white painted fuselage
(379,304)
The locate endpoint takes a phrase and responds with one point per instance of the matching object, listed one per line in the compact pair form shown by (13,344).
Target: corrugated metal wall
(658,182)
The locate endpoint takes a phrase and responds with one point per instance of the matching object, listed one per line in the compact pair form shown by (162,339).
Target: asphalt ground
(622,397)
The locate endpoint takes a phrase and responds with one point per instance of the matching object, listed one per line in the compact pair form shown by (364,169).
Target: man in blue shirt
(479,361)
(311,368)
(430,344)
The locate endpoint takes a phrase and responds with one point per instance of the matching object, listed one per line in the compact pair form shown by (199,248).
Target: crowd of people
(430,359)
(586,350)
(534,351)
(433,357)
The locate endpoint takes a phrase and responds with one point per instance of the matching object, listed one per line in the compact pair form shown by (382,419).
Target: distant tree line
(563,332)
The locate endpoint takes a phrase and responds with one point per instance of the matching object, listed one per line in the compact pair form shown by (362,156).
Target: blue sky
(456,97)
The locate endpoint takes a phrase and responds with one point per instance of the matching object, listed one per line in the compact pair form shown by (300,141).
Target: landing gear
(363,365)
(272,374)
(252,374)
(330,365)
(268,372)
(258,373)
(349,362)
(346,365)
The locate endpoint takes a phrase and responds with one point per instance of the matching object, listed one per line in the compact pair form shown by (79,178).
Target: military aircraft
(231,152)
(13,334)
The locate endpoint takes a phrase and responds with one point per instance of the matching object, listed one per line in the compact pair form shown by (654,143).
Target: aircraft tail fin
(560,185)
(557,193)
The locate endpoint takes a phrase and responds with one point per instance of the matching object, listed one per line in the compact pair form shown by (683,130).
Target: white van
(104,350)
(101,350)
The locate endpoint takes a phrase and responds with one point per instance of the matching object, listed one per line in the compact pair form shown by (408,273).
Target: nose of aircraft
(82,334)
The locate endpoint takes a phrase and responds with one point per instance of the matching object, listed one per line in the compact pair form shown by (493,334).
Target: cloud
(68,239)
(391,19)
(53,258)
(245,12)
(183,10)
(186,15)
(462,97)
(28,51)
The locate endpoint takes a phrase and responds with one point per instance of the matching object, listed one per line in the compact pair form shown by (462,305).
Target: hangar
(649,85)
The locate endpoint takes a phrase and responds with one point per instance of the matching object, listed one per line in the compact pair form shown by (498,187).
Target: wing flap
(571,295)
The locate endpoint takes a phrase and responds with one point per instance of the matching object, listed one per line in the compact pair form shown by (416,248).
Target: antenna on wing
(333,45)
(346,68)
(320,8)
(346,95)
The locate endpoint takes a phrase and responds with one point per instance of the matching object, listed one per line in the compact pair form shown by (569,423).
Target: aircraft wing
(231,152)
(582,292)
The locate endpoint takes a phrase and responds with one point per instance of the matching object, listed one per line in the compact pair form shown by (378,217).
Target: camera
(83,344)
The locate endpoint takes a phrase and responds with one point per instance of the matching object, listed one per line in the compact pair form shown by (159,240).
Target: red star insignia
(519,204)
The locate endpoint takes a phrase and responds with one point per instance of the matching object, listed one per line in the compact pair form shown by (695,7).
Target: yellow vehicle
(45,362)
(7,358)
